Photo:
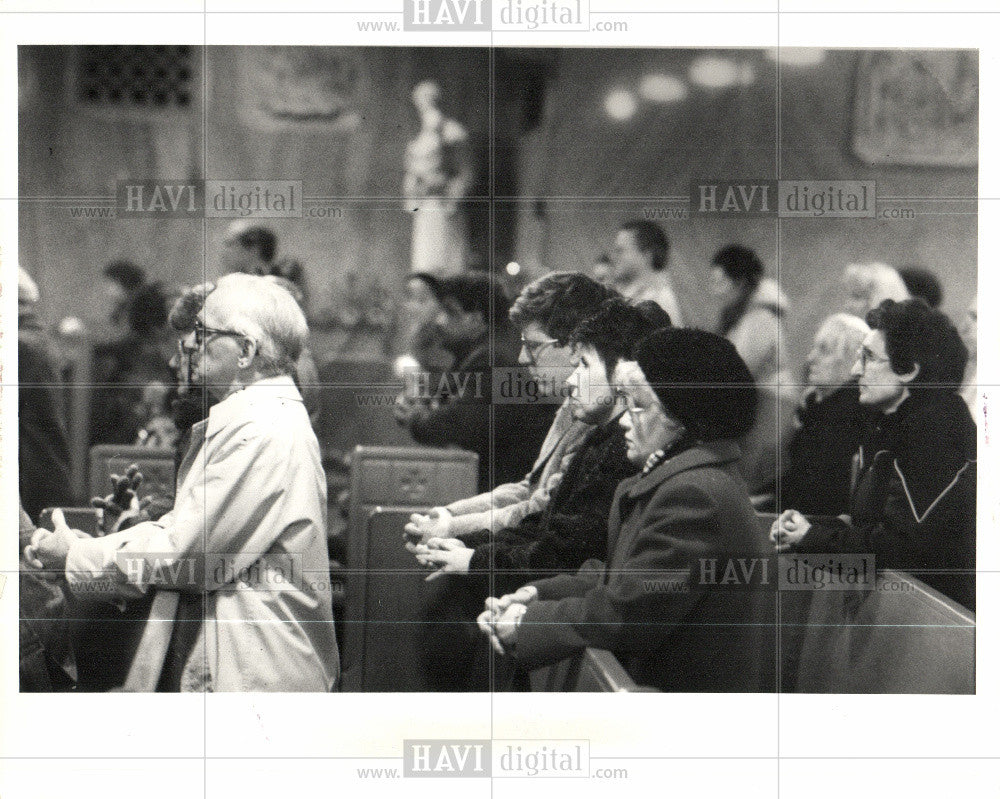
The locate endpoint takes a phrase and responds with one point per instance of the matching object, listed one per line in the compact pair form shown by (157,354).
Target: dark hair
(701,380)
(260,240)
(147,311)
(740,264)
(126,274)
(618,327)
(916,334)
(558,302)
(649,237)
(922,283)
(476,292)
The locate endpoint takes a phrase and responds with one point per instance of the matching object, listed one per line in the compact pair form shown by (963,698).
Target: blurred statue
(438,175)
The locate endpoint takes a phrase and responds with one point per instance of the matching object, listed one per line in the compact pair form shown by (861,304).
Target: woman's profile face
(723,286)
(648,427)
(829,365)
(420,300)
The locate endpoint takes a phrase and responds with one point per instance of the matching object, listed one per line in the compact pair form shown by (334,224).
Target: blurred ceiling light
(797,56)
(620,104)
(714,73)
(660,88)
(513,268)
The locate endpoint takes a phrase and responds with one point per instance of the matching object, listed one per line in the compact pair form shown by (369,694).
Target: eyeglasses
(535,348)
(635,411)
(201,336)
(866,356)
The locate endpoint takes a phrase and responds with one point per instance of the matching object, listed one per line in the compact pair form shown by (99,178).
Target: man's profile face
(628,261)
(594,396)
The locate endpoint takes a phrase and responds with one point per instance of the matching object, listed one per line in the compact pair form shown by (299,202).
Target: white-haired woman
(830,421)
(867,285)
(240,564)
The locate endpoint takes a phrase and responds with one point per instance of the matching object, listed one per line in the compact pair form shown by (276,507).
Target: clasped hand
(48,548)
(446,555)
(500,619)
(788,529)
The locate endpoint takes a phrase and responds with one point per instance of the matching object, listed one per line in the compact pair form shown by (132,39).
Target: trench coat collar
(240,405)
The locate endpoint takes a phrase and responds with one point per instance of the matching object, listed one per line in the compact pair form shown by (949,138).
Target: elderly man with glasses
(240,565)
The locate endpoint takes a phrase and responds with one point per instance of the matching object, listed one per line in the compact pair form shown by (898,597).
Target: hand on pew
(788,529)
(502,628)
(524,595)
(423,527)
(496,607)
(447,555)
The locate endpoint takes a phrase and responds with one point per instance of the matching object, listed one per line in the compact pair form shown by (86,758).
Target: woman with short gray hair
(829,422)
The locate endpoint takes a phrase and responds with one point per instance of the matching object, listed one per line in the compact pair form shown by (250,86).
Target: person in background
(248,249)
(689,397)
(473,324)
(969,330)
(122,279)
(125,366)
(292,271)
(752,318)
(419,311)
(829,423)
(868,285)
(42,448)
(753,309)
(640,266)
(546,311)
(914,501)
(922,283)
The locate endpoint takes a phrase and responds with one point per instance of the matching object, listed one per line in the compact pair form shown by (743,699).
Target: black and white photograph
(605,408)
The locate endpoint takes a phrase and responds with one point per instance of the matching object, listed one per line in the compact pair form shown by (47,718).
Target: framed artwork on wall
(917,107)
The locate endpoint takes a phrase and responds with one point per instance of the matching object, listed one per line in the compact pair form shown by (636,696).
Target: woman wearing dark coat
(829,423)
(689,396)
(914,502)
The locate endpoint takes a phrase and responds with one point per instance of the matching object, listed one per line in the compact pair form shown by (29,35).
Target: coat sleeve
(903,533)
(232,520)
(641,602)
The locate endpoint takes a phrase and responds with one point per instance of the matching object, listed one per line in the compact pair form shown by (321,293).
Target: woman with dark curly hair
(914,501)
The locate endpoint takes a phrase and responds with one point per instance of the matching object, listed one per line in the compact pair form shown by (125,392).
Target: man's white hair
(877,281)
(265,313)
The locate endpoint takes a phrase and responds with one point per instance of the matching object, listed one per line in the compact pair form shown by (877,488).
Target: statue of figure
(438,174)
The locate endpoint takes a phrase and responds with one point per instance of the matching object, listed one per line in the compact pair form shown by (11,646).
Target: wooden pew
(903,637)
(594,671)
(385,585)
